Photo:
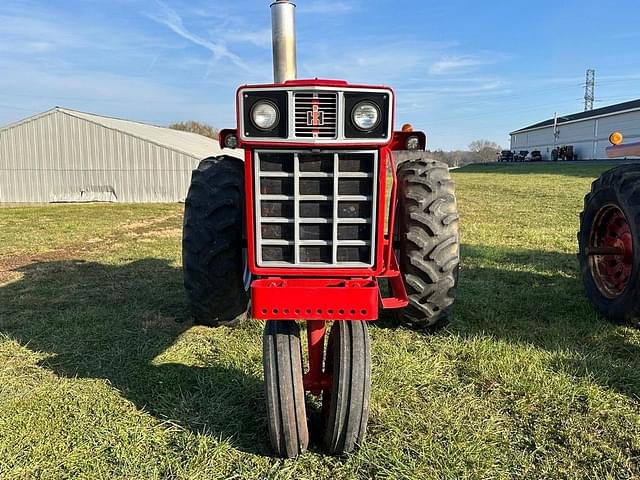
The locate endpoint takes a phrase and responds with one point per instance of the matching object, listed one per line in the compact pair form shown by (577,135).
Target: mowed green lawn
(103,376)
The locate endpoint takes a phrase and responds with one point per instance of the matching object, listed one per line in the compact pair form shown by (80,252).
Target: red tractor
(609,238)
(318,224)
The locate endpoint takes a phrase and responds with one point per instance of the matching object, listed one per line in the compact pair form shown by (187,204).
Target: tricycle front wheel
(286,412)
(345,406)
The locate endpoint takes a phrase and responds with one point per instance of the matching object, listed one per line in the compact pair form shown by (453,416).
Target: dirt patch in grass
(154,228)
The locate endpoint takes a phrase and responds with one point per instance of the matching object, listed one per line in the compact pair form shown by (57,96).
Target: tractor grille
(315,209)
(316,114)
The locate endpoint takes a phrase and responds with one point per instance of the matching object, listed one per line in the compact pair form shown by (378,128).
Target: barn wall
(59,157)
(589,137)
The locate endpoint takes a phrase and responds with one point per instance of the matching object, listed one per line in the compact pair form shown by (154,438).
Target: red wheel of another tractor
(609,241)
(611,251)
(345,407)
(286,412)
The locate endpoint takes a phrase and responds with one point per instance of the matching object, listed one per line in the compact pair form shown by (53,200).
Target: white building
(588,132)
(67,156)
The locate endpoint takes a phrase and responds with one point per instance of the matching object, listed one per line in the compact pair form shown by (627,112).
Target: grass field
(103,376)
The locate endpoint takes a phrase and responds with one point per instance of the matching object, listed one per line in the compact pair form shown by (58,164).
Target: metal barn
(67,156)
(588,132)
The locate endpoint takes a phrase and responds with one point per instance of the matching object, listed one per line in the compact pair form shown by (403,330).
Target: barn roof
(598,112)
(188,143)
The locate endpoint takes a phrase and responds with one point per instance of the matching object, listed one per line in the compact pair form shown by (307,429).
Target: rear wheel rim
(611,272)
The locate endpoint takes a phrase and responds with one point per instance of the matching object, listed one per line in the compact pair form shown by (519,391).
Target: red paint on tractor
(624,150)
(315,299)
(399,140)
(315,380)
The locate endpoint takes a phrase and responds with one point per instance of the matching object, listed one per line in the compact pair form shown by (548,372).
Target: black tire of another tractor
(429,258)
(345,408)
(212,255)
(619,186)
(286,412)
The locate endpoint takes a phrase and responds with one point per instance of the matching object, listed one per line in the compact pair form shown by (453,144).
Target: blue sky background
(462,69)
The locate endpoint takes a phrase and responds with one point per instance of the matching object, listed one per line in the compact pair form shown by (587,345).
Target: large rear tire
(212,250)
(609,244)
(345,408)
(286,412)
(429,254)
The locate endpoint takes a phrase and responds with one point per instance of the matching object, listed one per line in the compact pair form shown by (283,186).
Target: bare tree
(485,149)
(196,127)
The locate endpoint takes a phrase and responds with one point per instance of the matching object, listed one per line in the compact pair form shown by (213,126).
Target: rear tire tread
(212,242)
(429,242)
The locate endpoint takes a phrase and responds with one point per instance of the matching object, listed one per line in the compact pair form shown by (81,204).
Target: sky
(462,70)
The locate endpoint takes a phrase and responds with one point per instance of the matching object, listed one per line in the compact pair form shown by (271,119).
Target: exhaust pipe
(283,25)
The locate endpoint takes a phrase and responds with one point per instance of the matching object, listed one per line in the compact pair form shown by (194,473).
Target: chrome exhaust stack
(283,27)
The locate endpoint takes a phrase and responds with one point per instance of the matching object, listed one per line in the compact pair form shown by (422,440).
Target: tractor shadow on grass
(537,298)
(112,322)
(532,297)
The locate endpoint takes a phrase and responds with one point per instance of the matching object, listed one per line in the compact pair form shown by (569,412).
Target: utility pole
(589,90)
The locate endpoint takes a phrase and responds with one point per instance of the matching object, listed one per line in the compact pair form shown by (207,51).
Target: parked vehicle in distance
(536,156)
(506,156)
(521,156)
(564,153)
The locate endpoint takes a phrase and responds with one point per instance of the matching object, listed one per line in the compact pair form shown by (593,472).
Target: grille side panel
(315,209)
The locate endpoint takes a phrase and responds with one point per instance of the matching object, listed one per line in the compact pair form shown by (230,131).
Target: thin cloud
(260,38)
(170,18)
(473,88)
(456,64)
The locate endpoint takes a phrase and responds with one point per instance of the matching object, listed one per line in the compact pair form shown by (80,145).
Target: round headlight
(366,116)
(265,115)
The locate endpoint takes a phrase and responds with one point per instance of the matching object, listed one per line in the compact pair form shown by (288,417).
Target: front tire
(212,250)
(345,408)
(611,221)
(429,241)
(286,412)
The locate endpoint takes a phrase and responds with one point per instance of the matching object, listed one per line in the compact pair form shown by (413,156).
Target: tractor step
(314,299)
(398,294)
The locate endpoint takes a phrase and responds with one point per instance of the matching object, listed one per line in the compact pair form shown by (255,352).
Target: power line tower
(589,90)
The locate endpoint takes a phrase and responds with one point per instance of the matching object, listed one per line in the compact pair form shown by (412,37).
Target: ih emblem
(315,117)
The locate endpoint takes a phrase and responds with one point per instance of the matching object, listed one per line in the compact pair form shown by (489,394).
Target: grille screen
(315,209)
(316,114)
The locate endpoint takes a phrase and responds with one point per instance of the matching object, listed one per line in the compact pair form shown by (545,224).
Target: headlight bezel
(383,103)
